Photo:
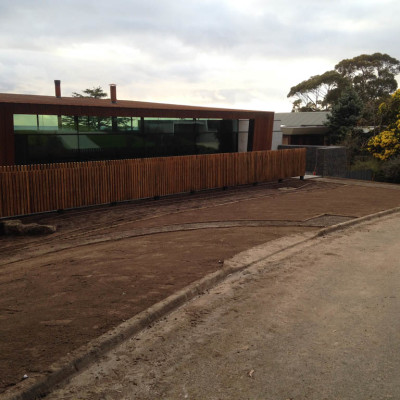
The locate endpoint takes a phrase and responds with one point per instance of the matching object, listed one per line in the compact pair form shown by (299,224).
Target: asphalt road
(320,321)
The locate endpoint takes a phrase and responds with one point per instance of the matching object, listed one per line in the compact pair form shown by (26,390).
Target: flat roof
(315,118)
(304,130)
(10,98)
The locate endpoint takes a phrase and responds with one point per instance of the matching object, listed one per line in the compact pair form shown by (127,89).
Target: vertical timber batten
(41,188)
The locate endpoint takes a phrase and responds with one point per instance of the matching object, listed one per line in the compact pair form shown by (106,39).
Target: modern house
(46,129)
(301,128)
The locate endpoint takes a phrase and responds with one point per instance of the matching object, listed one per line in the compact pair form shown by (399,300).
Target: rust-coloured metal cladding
(263,132)
(83,106)
(6,136)
(90,106)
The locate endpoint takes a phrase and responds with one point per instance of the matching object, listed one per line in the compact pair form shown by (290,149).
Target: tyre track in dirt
(139,213)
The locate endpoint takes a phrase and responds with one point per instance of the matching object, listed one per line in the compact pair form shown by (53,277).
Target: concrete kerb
(357,221)
(65,368)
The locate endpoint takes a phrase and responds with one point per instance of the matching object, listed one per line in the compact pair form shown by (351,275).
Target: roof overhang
(34,104)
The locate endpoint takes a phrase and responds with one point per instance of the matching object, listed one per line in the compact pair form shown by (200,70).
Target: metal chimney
(113,92)
(57,86)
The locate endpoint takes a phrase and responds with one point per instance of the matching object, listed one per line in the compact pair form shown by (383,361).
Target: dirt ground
(316,322)
(106,264)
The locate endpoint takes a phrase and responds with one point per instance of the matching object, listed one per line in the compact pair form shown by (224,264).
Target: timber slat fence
(28,189)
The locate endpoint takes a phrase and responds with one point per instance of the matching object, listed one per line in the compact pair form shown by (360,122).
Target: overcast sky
(227,53)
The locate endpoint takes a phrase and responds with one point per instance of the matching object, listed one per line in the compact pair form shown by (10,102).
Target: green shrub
(371,163)
(391,170)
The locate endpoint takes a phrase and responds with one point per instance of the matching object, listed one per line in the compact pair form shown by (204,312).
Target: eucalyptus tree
(317,93)
(372,76)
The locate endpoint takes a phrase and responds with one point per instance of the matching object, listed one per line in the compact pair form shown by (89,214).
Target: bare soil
(106,264)
(315,322)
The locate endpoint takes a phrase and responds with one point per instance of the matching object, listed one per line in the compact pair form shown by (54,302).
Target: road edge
(357,221)
(76,361)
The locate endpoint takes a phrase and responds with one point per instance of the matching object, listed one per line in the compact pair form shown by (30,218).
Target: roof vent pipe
(57,86)
(113,92)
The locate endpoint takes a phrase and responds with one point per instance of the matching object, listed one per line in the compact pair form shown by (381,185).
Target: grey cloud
(201,24)
(170,34)
(209,26)
(19,70)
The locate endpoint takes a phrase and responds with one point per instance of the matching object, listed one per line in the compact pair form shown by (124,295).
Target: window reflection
(88,125)
(52,138)
(24,123)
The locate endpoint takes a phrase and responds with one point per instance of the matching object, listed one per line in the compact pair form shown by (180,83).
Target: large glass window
(128,124)
(87,125)
(52,138)
(48,123)
(45,139)
(25,123)
(67,124)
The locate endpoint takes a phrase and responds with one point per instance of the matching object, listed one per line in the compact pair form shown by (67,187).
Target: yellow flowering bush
(384,145)
(391,106)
